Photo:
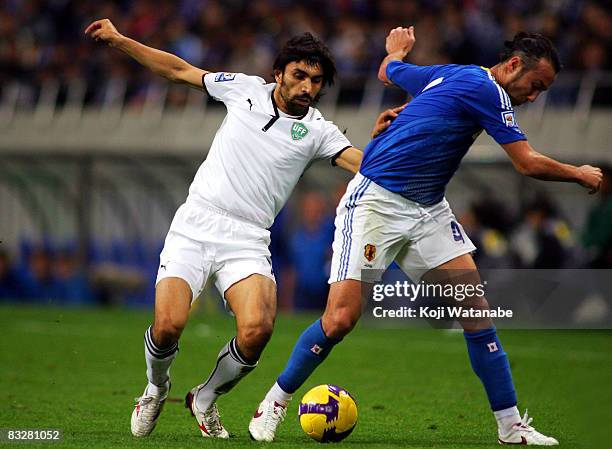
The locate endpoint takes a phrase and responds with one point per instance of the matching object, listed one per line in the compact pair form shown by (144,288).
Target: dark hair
(531,47)
(307,48)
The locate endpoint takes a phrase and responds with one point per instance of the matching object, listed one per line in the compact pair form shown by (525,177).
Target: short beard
(295,108)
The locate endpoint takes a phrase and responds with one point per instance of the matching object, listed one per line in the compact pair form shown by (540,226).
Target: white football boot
(147,410)
(208,420)
(523,433)
(266,420)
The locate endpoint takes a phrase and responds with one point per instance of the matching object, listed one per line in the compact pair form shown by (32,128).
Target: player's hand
(104,30)
(590,178)
(400,41)
(385,118)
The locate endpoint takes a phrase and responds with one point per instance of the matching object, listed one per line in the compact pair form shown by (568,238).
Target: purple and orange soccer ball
(328,413)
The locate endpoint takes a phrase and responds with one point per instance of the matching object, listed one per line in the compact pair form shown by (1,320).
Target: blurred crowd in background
(43,40)
(538,236)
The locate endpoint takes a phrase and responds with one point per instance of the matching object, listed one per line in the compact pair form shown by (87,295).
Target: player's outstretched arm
(529,162)
(398,44)
(160,62)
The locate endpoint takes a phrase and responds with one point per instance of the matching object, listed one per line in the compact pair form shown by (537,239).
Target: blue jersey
(421,150)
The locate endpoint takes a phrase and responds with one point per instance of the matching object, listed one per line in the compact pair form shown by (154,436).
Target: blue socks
(487,356)
(490,363)
(311,349)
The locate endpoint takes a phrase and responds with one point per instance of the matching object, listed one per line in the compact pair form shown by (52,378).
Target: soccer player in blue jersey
(394,209)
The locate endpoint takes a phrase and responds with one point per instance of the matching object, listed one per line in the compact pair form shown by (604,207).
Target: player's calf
(252,337)
(166,332)
(339,322)
(343,308)
(172,304)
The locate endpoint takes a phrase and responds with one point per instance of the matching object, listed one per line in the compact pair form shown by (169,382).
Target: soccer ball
(328,413)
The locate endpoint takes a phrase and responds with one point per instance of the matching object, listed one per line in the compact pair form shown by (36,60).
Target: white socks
(158,363)
(277,394)
(154,390)
(507,418)
(231,367)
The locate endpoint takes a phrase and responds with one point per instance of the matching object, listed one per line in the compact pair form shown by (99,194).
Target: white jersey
(259,153)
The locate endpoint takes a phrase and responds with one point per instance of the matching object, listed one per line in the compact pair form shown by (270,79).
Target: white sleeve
(333,141)
(228,87)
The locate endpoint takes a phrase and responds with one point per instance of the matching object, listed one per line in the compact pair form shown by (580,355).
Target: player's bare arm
(159,62)
(529,162)
(398,44)
(350,159)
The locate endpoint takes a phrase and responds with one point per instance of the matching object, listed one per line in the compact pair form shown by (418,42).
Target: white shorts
(204,241)
(375,227)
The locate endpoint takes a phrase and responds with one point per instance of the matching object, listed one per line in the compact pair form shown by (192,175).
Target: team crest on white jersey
(225,76)
(298,131)
(508,118)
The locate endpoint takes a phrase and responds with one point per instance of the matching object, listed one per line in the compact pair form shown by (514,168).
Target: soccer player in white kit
(270,136)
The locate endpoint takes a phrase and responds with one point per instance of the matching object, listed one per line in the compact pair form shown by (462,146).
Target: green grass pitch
(79,370)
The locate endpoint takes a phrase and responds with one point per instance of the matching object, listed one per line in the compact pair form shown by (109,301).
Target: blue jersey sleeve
(491,108)
(412,78)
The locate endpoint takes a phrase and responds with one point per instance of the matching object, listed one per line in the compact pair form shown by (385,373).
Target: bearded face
(299,87)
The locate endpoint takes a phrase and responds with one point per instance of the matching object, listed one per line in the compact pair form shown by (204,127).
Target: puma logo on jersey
(250,103)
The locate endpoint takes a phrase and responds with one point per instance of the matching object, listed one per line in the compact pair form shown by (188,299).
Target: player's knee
(253,336)
(339,323)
